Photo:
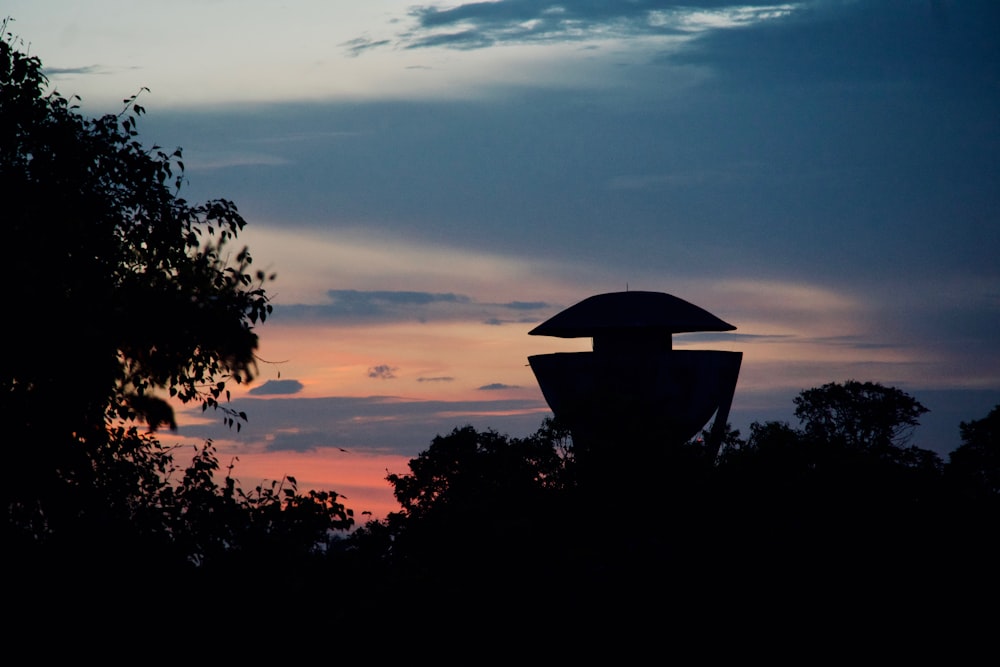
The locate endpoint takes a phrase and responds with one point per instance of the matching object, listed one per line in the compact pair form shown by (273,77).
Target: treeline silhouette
(838,509)
(515,530)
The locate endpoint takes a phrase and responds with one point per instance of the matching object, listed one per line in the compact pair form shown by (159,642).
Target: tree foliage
(122,295)
(468,470)
(132,288)
(976,462)
(487,482)
(864,416)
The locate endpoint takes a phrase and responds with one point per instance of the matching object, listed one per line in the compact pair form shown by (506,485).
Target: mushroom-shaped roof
(618,311)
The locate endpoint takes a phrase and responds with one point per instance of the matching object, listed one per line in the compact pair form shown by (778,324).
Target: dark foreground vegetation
(124,293)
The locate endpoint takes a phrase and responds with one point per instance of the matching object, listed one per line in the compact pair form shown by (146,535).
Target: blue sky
(430,181)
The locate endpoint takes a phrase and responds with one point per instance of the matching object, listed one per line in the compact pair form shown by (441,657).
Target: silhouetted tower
(634,391)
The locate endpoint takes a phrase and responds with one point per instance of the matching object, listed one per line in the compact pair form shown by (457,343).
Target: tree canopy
(860,415)
(125,286)
(976,462)
(122,297)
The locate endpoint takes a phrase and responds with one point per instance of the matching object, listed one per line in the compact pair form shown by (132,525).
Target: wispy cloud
(86,69)
(497,386)
(196,162)
(276,388)
(355,302)
(815,40)
(700,337)
(359,45)
(474,25)
(526,305)
(368,307)
(372,424)
(382,372)
(496,321)
(847,41)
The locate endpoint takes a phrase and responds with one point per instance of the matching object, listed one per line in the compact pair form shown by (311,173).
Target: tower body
(634,390)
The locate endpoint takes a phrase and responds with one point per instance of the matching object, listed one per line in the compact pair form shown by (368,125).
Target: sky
(431,181)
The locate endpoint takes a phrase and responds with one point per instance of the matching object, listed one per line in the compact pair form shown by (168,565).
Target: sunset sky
(430,181)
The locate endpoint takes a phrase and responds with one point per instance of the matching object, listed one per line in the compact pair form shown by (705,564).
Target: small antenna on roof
(626,286)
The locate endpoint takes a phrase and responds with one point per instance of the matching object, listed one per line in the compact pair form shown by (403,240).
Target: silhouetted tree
(846,480)
(864,416)
(974,466)
(469,472)
(478,511)
(119,290)
(770,445)
(809,521)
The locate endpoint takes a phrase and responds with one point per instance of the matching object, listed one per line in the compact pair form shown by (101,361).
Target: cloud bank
(349,306)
